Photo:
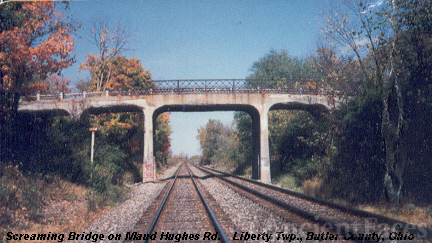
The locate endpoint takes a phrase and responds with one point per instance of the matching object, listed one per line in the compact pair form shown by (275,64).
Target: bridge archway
(252,111)
(135,133)
(285,148)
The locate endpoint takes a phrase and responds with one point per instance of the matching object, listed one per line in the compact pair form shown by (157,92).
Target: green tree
(162,139)
(280,70)
(295,145)
(219,143)
(243,130)
(208,138)
(357,168)
(392,44)
(409,89)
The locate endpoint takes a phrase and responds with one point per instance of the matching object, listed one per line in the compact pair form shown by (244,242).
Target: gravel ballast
(247,215)
(123,218)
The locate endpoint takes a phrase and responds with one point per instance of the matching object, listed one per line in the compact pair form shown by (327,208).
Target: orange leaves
(57,84)
(110,40)
(118,73)
(53,84)
(104,35)
(37,43)
(164,117)
(36,88)
(163,132)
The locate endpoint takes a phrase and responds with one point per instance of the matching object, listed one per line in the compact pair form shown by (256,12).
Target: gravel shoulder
(123,218)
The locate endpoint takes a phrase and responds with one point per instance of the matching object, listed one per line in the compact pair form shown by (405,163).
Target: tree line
(376,144)
(36,44)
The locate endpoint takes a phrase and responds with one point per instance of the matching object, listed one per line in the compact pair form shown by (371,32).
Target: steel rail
(156,217)
(305,214)
(411,228)
(223,237)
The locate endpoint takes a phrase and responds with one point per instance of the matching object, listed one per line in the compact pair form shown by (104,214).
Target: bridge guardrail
(198,86)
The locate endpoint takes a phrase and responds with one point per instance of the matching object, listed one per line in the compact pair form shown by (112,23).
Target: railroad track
(183,212)
(318,220)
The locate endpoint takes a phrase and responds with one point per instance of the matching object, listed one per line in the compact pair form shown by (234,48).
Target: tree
(341,75)
(279,70)
(219,143)
(243,129)
(125,74)
(351,25)
(406,87)
(355,26)
(56,84)
(357,169)
(208,138)
(162,138)
(84,84)
(391,41)
(35,42)
(52,84)
(110,42)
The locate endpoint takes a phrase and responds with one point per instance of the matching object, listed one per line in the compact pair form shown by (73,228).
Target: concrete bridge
(152,102)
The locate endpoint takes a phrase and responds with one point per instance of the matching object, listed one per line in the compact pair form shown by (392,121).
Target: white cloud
(373,5)
(378,3)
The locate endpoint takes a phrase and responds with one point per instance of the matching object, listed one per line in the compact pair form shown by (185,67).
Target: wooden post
(92,130)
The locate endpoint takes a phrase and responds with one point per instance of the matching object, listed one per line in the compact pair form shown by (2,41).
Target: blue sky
(202,39)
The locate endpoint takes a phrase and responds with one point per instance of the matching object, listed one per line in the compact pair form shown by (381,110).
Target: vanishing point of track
(182,212)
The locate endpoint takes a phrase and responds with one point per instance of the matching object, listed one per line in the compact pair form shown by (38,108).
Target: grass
(408,212)
(287,181)
(418,215)
(50,204)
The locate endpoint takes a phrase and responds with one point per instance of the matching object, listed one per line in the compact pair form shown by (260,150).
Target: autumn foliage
(163,141)
(35,42)
(118,73)
(53,84)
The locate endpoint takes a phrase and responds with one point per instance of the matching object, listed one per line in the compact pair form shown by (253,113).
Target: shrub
(18,192)
(357,171)
(312,187)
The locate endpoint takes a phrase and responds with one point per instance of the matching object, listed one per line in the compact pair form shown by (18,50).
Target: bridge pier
(256,131)
(149,163)
(264,158)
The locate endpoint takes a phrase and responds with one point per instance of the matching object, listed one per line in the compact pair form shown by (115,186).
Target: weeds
(19,193)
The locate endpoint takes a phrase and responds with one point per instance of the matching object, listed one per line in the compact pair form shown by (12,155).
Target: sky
(201,39)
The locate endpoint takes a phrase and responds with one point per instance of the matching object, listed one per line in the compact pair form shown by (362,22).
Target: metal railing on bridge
(197,86)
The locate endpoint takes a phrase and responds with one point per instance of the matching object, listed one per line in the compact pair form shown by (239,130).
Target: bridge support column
(149,164)
(256,134)
(264,158)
